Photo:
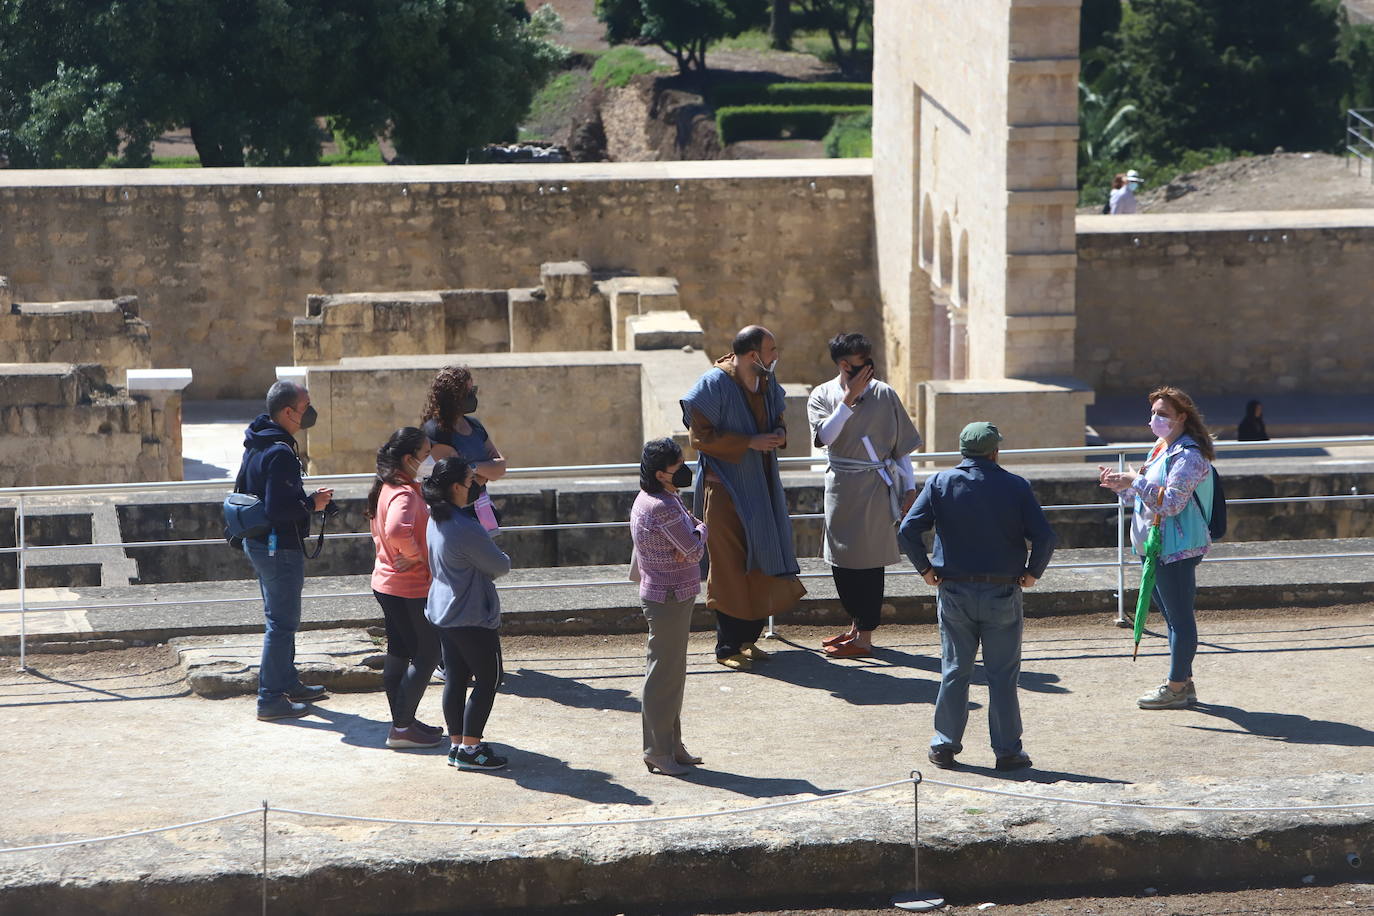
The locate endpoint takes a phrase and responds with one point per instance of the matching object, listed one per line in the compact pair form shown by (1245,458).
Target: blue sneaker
(281,708)
(303,693)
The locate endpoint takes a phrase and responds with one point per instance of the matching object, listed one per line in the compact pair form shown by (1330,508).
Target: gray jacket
(464,562)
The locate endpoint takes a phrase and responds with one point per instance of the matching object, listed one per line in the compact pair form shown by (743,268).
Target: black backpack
(1215,519)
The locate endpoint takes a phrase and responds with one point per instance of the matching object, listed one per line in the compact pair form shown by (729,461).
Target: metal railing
(1359,139)
(1120,453)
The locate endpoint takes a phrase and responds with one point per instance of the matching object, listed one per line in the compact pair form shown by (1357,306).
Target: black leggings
(469,652)
(861,593)
(412,652)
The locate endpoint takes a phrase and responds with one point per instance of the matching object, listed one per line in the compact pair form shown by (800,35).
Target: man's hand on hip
(1027,580)
(932,577)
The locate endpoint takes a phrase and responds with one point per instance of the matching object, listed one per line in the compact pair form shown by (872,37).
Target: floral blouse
(1187,469)
(669,544)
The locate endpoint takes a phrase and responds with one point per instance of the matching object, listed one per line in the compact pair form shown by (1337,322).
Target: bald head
(751,339)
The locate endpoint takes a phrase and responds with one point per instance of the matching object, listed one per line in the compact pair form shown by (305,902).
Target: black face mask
(682,477)
(855,370)
(309,417)
(474,491)
(468,405)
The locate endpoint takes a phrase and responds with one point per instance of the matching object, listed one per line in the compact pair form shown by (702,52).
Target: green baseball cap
(979,439)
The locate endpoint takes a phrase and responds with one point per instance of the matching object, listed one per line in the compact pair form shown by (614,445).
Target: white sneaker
(1164,698)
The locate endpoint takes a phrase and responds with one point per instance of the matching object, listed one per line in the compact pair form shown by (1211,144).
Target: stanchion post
(770,633)
(264,857)
(1120,550)
(917,899)
(23,598)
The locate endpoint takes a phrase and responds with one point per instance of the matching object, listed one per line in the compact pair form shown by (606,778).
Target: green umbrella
(1147,582)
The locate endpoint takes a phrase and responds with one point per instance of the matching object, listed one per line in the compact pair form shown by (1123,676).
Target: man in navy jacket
(983,516)
(271,470)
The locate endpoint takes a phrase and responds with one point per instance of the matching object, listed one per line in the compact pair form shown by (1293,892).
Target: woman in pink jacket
(400,581)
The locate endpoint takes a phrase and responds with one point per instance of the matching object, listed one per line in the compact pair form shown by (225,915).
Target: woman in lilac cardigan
(669,544)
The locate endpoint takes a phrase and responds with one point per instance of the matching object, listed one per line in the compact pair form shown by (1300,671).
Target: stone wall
(65,424)
(222,260)
(155,517)
(1226,303)
(540,409)
(105,331)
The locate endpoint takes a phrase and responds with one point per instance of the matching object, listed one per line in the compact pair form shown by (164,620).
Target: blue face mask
(1134,185)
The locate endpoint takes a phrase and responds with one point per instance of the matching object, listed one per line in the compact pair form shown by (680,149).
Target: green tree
(683,28)
(1252,77)
(848,23)
(251,78)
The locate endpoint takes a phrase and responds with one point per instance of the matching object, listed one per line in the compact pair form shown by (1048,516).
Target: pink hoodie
(398,530)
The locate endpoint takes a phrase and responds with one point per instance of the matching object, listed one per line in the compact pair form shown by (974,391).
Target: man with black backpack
(271,470)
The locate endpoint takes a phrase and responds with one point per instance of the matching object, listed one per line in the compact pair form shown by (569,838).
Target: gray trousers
(665,675)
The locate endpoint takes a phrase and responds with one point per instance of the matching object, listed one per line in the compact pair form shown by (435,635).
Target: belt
(994,580)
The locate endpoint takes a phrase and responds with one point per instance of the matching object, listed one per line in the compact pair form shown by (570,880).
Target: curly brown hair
(446,393)
(1193,423)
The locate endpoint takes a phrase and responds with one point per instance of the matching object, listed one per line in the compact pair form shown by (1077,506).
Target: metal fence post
(917,899)
(23,598)
(264,857)
(1120,549)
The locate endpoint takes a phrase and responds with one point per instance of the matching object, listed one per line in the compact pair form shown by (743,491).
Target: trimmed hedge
(851,137)
(741,92)
(780,122)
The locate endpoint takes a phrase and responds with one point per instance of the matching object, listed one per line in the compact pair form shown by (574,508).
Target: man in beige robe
(869,484)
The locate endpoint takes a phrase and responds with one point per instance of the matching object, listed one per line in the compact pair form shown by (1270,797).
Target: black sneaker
(281,708)
(302,693)
(479,758)
(942,758)
(1014,762)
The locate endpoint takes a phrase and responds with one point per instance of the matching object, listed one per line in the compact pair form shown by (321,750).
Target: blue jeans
(973,613)
(1175,589)
(282,578)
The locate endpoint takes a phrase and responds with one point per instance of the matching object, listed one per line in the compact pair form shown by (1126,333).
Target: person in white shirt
(869,484)
(1123,193)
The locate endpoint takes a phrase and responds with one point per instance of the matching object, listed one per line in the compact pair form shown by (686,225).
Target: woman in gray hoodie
(463,604)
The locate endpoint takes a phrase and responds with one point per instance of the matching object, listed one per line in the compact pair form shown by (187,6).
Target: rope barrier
(702,815)
(607,823)
(125,836)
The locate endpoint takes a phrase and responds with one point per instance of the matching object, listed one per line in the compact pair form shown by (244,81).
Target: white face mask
(1160,426)
(425,469)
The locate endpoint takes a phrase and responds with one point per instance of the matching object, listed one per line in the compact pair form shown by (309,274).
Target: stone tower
(975,134)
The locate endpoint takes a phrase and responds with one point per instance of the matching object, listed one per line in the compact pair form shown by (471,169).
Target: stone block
(6,295)
(539,323)
(798,445)
(566,279)
(1030,414)
(663,331)
(476,321)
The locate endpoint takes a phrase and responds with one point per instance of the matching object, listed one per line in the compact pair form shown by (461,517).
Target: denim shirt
(982,515)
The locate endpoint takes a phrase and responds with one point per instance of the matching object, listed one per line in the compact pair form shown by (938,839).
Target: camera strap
(319,541)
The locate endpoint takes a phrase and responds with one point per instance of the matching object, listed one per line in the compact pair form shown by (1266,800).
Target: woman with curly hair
(1174,485)
(453,430)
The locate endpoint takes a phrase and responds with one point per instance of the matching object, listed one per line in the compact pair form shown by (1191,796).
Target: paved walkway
(1287,717)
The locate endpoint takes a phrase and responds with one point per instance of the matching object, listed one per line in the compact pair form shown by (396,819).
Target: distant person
(463,604)
(400,583)
(1122,199)
(1251,428)
(452,428)
(983,516)
(668,547)
(734,414)
(1179,465)
(271,470)
(869,485)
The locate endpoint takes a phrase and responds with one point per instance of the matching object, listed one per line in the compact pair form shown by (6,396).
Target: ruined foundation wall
(222,260)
